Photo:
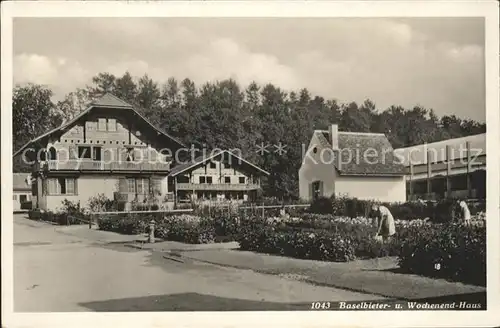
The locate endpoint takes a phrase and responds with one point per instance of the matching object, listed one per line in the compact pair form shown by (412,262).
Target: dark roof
(109,100)
(20,181)
(378,161)
(106,101)
(204,158)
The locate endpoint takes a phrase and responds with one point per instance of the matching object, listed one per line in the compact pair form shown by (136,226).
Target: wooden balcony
(90,165)
(217,186)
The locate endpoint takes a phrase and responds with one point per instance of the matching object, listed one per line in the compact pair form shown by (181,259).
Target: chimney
(333,131)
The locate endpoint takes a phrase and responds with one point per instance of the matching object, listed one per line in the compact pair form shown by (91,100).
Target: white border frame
(486,9)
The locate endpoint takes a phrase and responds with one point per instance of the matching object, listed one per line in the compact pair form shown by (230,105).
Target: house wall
(113,143)
(16,199)
(383,189)
(89,186)
(218,174)
(317,167)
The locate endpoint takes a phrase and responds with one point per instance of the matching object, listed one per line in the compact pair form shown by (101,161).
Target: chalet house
(219,176)
(113,150)
(21,189)
(351,164)
(109,149)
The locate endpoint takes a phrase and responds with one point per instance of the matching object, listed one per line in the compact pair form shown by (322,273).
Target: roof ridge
(445,141)
(108,95)
(362,133)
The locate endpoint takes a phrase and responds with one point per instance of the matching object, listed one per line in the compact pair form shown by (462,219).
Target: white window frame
(111,125)
(102,124)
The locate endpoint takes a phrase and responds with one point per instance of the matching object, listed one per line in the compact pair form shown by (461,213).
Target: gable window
(61,186)
(111,125)
(227,179)
(84,152)
(205,179)
(96,153)
(242,180)
(101,124)
(130,156)
(213,165)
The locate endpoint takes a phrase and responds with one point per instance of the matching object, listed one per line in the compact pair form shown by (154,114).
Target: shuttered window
(156,186)
(62,186)
(142,186)
(131,185)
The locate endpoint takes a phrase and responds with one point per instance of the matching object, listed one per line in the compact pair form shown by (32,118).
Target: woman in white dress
(386,228)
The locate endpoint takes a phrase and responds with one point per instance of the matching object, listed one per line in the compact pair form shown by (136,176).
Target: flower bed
(449,250)
(184,228)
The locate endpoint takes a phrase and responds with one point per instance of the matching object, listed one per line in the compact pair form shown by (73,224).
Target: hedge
(438,212)
(451,251)
(315,242)
(61,218)
(26,205)
(459,250)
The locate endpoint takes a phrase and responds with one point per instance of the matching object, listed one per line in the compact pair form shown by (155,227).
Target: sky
(437,63)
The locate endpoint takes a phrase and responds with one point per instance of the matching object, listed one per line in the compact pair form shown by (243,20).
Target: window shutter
(107,154)
(321,188)
(311,191)
(122,185)
(73,152)
(153,155)
(45,187)
(156,185)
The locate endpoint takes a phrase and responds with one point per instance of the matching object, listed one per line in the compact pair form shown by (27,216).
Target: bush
(451,251)
(128,224)
(101,203)
(325,245)
(71,213)
(411,210)
(321,205)
(192,231)
(183,228)
(145,207)
(26,205)
(35,214)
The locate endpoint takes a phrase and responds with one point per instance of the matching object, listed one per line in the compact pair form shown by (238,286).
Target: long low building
(453,168)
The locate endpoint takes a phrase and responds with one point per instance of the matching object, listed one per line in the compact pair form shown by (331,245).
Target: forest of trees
(222,114)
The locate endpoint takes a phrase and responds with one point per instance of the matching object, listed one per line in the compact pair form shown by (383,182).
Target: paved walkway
(376,276)
(59,269)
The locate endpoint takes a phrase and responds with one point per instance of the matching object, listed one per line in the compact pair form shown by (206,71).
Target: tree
(220,114)
(73,103)
(33,114)
(125,88)
(102,84)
